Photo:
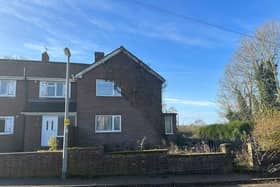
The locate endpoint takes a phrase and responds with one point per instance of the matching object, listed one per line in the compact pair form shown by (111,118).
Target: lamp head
(67,52)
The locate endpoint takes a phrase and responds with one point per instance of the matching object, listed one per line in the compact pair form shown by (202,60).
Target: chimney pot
(45,57)
(98,55)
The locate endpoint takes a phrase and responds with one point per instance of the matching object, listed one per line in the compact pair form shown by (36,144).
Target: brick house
(116,100)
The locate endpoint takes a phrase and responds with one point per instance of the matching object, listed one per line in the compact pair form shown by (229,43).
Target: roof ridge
(37,61)
(113,53)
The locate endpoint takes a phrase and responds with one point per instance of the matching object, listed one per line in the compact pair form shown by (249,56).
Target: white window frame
(55,89)
(113,125)
(12,124)
(115,93)
(171,125)
(14,88)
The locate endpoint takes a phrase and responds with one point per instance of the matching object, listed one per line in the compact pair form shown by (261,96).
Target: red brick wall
(13,106)
(42,164)
(141,115)
(200,163)
(91,162)
(32,135)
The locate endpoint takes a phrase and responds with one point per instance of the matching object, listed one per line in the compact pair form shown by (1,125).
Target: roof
(115,52)
(38,69)
(32,68)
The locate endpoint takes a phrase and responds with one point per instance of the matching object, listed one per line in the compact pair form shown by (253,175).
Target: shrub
(140,143)
(231,131)
(52,143)
(267,129)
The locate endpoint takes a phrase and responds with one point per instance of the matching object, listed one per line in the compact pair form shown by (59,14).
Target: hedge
(231,131)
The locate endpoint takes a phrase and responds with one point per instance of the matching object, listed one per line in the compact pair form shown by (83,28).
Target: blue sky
(189,55)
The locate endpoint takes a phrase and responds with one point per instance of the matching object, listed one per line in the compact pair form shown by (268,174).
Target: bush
(52,143)
(232,131)
(267,129)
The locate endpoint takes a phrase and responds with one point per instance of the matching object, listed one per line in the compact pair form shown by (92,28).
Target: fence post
(250,154)
(225,148)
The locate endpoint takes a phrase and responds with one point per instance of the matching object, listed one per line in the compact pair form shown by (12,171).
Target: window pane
(117,123)
(3,87)
(104,88)
(11,87)
(43,89)
(9,125)
(108,123)
(2,125)
(50,89)
(60,89)
(99,123)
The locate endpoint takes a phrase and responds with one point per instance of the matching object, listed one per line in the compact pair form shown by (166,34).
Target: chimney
(98,55)
(45,57)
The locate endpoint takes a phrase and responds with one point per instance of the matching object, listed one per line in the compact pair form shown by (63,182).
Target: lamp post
(66,117)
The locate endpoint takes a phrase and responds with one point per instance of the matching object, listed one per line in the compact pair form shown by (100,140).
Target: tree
(267,86)
(250,82)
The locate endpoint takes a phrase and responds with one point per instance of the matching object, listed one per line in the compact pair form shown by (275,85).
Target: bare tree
(239,87)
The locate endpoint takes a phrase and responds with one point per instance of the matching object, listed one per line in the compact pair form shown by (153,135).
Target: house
(116,100)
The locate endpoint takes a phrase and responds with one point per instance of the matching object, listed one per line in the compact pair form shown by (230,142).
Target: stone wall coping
(141,152)
(196,154)
(26,153)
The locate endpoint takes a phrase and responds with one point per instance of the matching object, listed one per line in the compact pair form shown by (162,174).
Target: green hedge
(231,131)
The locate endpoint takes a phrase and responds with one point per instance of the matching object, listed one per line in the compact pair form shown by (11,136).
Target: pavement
(164,180)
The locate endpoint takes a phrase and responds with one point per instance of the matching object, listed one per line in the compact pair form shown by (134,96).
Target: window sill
(108,96)
(51,97)
(7,96)
(5,133)
(101,132)
(169,133)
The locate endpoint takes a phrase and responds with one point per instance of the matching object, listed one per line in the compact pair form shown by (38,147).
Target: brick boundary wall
(90,162)
(29,164)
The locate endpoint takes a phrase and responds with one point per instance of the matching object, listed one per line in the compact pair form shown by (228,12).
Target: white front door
(49,129)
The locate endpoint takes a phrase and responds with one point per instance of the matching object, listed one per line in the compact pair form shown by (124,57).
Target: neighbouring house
(116,100)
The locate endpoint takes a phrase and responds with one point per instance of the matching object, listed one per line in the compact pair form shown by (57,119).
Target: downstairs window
(107,123)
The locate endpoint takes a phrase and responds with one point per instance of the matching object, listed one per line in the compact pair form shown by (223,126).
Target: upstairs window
(52,89)
(107,123)
(107,88)
(7,88)
(6,125)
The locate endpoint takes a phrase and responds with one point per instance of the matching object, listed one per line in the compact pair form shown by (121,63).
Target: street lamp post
(66,116)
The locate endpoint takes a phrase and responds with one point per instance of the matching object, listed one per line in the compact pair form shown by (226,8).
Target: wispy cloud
(189,102)
(125,24)
(168,32)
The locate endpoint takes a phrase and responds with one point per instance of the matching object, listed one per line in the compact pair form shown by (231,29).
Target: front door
(49,129)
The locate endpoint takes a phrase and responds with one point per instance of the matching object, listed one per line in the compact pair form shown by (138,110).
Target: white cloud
(189,102)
